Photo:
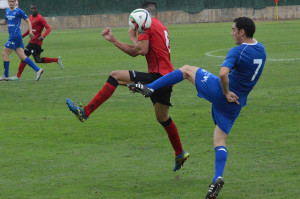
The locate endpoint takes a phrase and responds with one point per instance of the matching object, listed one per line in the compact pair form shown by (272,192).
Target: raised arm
(138,48)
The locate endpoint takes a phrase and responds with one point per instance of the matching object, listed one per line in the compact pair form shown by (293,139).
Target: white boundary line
(54,78)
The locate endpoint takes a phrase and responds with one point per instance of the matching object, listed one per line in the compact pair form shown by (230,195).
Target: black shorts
(161,95)
(33,49)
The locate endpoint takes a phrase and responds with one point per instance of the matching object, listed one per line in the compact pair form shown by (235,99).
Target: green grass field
(121,151)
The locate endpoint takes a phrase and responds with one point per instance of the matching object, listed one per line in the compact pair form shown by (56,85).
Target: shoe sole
(216,192)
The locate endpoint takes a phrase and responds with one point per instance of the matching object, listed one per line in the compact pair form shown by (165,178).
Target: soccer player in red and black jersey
(154,44)
(34,47)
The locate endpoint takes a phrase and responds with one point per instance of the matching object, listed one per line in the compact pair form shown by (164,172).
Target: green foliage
(52,8)
(121,151)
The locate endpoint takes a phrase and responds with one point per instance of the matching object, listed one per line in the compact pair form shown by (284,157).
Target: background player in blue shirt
(228,93)
(13,18)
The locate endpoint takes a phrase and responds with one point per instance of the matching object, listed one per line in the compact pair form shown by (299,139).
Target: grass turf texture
(121,151)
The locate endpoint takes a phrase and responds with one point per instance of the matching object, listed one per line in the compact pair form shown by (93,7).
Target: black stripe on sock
(166,123)
(112,81)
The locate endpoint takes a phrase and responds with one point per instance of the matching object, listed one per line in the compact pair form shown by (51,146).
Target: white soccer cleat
(3,78)
(38,74)
(59,62)
(14,78)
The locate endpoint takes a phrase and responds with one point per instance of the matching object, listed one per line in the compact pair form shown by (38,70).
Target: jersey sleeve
(22,14)
(231,59)
(43,22)
(144,36)
(48,30)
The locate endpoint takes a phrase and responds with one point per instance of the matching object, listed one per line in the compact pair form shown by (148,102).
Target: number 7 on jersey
(259,62)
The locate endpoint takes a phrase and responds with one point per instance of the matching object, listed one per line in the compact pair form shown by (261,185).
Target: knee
(4,55)
(162,118)
(115,74)
(38,60)
(185,69)
(22,57)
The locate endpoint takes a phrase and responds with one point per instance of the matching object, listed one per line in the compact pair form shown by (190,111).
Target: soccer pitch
(121,151)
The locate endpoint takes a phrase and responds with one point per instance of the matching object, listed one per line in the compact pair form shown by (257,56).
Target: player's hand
(41,38)
(31,35)
(107,34)
(232,97)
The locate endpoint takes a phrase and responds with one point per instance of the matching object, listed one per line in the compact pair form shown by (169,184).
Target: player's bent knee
(115,74)
(22,57)
(120,75)
(4,55)
(162,118)
(185,70)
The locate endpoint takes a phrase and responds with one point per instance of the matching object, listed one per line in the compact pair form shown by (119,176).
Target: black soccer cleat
(215,188)
(141,88)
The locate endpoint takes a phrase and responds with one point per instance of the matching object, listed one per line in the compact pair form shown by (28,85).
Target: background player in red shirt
(35,43)
(155,45)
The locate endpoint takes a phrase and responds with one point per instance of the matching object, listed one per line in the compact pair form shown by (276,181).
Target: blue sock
(220,161)
(167,80)
(6,68)
(29,62)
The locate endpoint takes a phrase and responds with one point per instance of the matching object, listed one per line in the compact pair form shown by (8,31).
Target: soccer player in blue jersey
(13,18)
(228,93)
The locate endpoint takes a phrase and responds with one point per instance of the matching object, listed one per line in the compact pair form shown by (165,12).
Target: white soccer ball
(140,20)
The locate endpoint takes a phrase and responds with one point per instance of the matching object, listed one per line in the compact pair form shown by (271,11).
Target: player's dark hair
(151,7)
(247,24)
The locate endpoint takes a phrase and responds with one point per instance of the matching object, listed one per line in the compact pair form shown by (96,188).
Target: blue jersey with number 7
(246,63)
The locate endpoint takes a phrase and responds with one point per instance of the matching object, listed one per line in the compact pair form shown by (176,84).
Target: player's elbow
(224,72)
(143,52)
(138,52)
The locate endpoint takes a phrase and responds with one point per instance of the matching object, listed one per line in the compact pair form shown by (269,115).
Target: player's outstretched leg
(215,188)
(140,88)
(58,60)
(180,159)
(77,109)
(166,80)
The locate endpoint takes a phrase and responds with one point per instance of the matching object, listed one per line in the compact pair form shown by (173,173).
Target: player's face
(235,33)
(12,4)
(34,10)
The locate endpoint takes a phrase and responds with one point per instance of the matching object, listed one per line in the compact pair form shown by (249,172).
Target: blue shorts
(14,43)
(223,112)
